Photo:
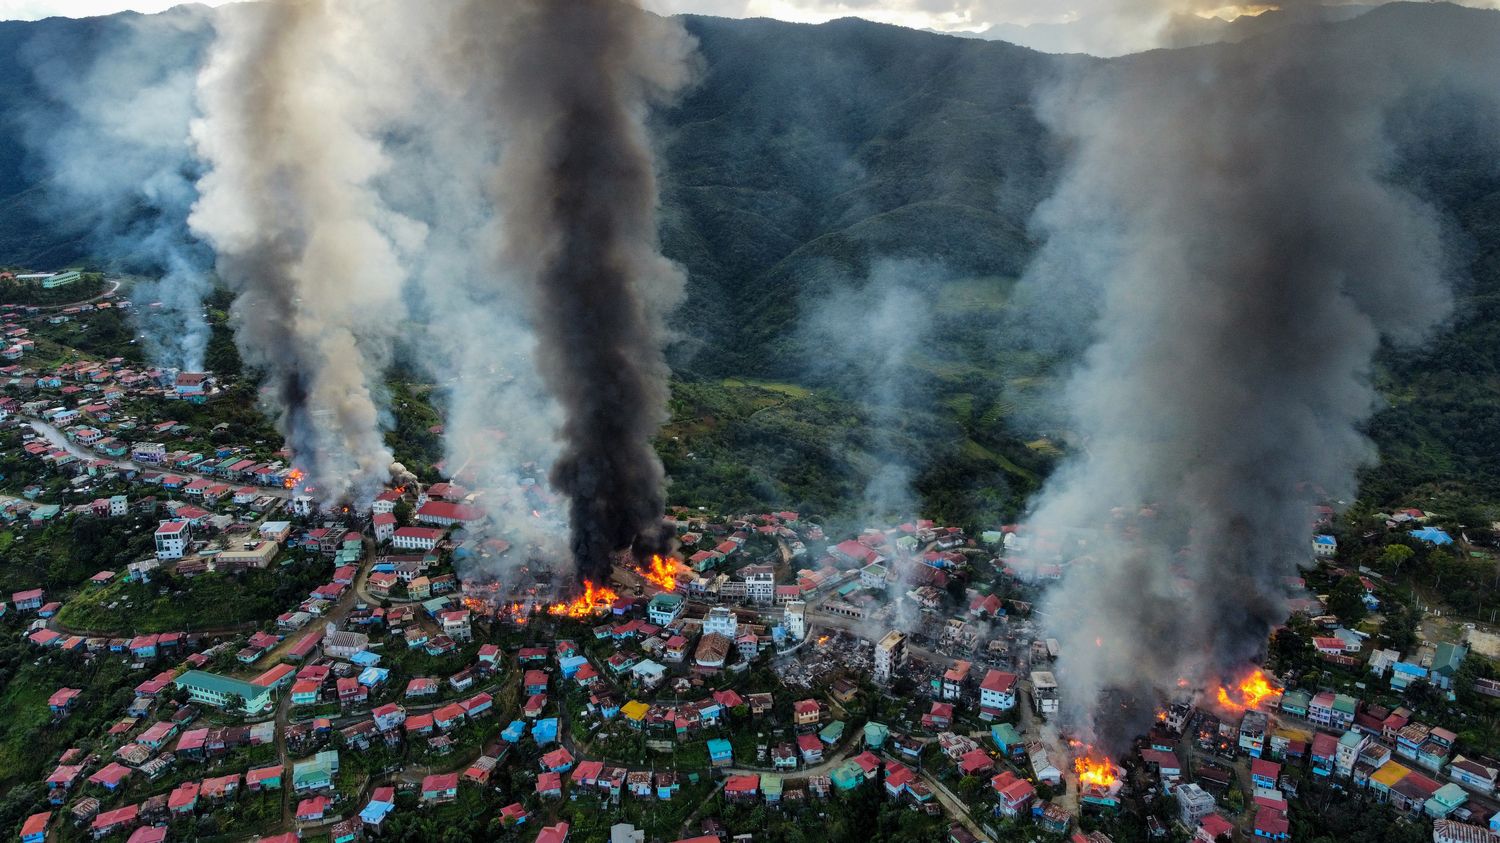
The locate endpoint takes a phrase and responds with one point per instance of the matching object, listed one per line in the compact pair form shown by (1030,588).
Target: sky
(1101,27)
(947,15)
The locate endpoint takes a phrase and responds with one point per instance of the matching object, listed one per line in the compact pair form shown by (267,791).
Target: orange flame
(293,478)
(1095,769)
(661,573)
(1249,693)
(595,599)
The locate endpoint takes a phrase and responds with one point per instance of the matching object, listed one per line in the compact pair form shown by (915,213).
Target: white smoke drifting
(1231,210)
(111,133)
(293,98)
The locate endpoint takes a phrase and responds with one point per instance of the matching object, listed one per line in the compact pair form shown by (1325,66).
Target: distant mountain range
(808,154)
(1103,38)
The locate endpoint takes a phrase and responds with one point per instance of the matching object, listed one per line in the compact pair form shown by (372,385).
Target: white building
(119,506)
(794,618)
(722,621)
(1193,804)
(172,539)
(416,538)
(760,584)
(456,624)
(997,692)
(1381,661)
(385,503)
(890,655)
(1325,547)
(385,526)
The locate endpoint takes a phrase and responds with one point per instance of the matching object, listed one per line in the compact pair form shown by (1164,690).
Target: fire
(293,478)
(1095,769)
(661,572)
(594,600)
(1250,692)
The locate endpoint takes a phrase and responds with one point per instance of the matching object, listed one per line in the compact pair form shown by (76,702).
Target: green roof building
(1007,738)
(1296,702)
(664,608)
(832,733)
(217,691)
(317,772)
(875,735)
(1445,663)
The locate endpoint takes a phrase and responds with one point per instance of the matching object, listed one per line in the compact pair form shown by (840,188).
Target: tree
(403,513)
(1347,600)
(1394,556)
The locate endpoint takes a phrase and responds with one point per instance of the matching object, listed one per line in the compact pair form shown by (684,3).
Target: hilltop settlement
(194,650)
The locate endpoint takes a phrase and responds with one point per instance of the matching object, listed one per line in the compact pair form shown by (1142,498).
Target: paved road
(114,285)
(60,440)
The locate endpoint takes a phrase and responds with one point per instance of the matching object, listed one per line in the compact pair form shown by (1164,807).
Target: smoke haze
(112,137)
(577,194)
(292,99)
(1230,209)
(862,339)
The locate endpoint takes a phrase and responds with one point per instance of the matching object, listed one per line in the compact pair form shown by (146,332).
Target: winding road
(60,440)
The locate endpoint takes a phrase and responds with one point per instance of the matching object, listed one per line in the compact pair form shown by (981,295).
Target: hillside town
(772,669)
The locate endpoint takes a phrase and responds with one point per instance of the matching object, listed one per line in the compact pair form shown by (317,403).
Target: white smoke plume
(476,343)
(294,97)
(110,132)
(1230,212)
(863,339)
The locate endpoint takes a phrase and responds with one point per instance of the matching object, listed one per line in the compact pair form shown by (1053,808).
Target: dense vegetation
(808,158)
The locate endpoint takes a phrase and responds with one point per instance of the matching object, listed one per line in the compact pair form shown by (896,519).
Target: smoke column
(1229,209)
(291,101)
(577,192)
(477,345)
(112,136)
(862,340)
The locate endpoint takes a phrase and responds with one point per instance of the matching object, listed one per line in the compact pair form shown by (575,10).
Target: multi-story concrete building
(172,539)
(760,584)
(794,618)
(721,620)
(1044,695)
(890,655)
(1193,804)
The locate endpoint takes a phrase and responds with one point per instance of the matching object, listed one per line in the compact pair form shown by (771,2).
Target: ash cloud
(110,131)
(293,97)
(576,191)
(1232,210)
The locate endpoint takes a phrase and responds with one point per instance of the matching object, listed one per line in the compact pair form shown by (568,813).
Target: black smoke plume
(578,196)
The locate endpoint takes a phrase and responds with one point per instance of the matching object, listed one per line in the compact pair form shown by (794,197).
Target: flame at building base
(1249,693)
(660,571)
(594,600)
(1095,769)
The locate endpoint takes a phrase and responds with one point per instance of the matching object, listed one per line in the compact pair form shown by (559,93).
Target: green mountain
(808,158)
